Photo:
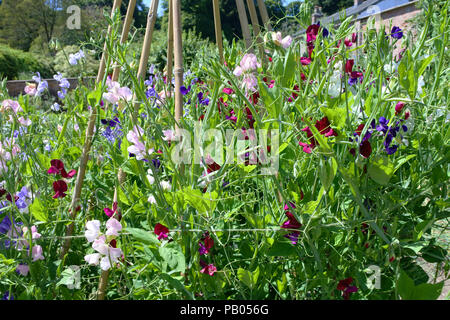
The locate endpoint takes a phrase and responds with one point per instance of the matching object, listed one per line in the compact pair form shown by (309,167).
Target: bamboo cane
(102,67)
(101,292)
(218,28)
(151,18)
(79,181)
(178,68)
(125,32)
(256,28)
(264,15)
(170,49)
(244,24)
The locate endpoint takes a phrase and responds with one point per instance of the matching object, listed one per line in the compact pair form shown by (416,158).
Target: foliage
(14,62)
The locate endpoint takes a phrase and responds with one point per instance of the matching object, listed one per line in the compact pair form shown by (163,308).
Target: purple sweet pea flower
(184,90)
(396,33)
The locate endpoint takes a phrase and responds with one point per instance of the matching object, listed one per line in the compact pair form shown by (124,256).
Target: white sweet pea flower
(93,230)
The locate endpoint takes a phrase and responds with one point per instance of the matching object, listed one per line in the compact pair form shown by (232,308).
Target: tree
(332,6)
(23,20)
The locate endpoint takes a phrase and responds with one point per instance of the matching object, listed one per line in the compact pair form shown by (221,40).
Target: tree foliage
(332,6)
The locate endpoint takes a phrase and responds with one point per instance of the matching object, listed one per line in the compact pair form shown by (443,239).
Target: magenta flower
(161,231)
(57,167)
(399,107)
(60,187)
(205,244)
(207,268)
(110,213)
(346,288)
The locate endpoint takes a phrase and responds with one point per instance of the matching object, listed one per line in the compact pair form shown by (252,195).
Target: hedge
(13,62)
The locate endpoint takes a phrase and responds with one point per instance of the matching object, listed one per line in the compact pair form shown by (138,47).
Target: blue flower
(8,296)
(184,90)
(396,33)
(202,101)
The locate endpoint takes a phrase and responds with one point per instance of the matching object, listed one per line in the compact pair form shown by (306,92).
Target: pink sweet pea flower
(207,268)
(11,105)
(23,269)
(36,253)
(113,227)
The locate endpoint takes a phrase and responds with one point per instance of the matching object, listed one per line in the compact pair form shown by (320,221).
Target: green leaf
(38,210)
(173,255)
(327,172)
(434,254)
(336,116)
(281,249)
(380,169)
(143,235)
(247,278)
(178,285)
(425,291)
(289,68)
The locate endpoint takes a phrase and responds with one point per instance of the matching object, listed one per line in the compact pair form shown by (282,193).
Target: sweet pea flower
(10,105)
(30,89)
(23,269)
(346,288)
(93,230)
(24,122)
(205,244)
(161,231)
(113,227)
(36,253)
(106,254)
(280,41)
(207,268)
(151,199)
(396,33)
(116,92)
(57,167)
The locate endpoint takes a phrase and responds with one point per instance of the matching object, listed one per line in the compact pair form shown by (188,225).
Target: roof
(363,10)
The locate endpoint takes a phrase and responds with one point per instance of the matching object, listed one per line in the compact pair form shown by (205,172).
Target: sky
(160,11)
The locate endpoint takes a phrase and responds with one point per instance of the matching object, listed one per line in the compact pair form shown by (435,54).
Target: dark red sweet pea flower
(354,37)
(323,125)
(399,107)
(60,187)
(365,149)
(349,65)
(161,231)
(346,288)
(348,43)
(205,244)
(57,167)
